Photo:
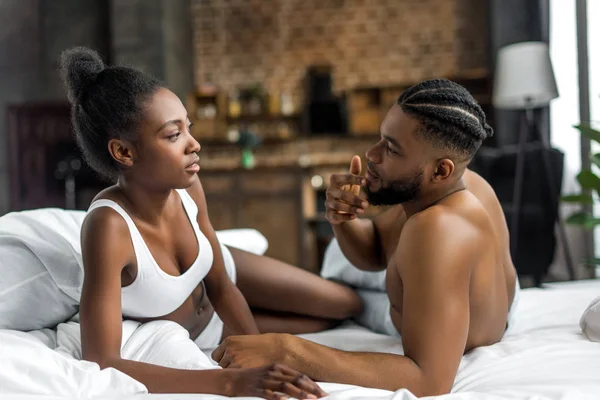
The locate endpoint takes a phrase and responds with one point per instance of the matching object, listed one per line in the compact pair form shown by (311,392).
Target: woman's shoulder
(112,193)
(102,238)
(103,221)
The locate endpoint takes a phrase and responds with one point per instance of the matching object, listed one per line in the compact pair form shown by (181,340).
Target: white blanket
(545,356)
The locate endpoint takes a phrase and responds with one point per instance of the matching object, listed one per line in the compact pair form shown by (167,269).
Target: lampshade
(524,76)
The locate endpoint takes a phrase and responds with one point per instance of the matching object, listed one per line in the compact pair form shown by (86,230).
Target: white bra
(155,293)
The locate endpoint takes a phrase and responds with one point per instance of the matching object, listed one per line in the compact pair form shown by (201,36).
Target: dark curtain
(514,21)
(533,242)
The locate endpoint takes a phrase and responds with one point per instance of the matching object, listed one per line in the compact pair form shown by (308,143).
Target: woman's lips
(193,167)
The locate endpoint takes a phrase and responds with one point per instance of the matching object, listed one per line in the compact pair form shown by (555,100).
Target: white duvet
(545,356)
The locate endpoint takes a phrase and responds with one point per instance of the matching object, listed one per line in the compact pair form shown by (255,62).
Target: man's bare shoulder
(440,234)
(447,216)
(478,186)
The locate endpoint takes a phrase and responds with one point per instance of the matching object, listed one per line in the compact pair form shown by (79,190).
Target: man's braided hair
(451,118)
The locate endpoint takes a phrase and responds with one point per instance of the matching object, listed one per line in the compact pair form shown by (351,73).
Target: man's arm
(359,244)
(359,239)
(434,258)
(226,298)
(438,256)
(362,240)
(435,321)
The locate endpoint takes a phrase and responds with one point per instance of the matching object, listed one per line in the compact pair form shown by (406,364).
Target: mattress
(543,356)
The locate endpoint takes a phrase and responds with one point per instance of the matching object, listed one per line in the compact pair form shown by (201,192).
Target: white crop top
(155,293)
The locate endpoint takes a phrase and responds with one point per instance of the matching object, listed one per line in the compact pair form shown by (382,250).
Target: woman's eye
(174,137)
(390,150)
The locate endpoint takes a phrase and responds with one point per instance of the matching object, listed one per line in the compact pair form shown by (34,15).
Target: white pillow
(337,267)
(40,260)
(590,321)
(249,240)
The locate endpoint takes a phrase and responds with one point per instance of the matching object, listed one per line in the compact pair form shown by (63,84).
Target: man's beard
(397,192)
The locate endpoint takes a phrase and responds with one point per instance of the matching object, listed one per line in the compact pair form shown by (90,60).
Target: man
(445,244)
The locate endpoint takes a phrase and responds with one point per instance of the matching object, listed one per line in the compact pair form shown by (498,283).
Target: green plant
(590,186)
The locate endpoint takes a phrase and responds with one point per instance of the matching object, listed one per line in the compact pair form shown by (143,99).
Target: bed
(544,356)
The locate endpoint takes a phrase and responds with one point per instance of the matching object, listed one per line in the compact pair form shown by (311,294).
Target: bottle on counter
(234,107)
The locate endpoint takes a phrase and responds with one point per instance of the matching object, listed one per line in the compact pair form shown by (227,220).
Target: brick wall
(368,42)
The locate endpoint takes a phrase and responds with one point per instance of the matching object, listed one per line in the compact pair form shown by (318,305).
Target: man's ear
(121,151)
(444,169)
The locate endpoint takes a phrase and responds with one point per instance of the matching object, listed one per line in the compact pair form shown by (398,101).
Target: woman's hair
(451,118)
(107,103)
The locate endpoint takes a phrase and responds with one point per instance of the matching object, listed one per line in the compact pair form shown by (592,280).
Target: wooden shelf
(222,141)
(262,118)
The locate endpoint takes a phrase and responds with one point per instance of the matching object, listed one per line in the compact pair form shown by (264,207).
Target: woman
(150,252)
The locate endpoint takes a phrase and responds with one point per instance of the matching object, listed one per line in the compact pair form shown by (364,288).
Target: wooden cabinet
(287,205)
(276,217)
(270,201)
(40,143)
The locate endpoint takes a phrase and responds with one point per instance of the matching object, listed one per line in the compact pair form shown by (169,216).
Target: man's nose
(372,154)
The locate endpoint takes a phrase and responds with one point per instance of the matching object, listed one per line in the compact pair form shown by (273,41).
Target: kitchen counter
(304,153)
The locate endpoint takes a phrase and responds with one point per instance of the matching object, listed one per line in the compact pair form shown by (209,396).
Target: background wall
(32,34)
(154,35)
(368,43)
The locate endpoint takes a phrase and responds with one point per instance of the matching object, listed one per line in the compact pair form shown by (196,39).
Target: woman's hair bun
(79,69)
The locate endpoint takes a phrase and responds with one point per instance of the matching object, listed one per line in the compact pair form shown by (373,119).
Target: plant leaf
(584,219)
(591,261)
(589,132)
(595,159)
(577,218)
(583,198)
(588,180)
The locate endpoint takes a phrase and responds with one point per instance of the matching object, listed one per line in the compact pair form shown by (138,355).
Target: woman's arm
(226,298)
(105,253)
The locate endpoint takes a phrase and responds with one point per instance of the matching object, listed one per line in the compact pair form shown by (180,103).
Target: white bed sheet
(544,356)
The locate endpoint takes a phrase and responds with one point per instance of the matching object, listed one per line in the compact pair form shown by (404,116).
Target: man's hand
(343,195)
(250,351)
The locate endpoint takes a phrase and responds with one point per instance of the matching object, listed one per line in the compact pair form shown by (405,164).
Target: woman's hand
(268,381)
